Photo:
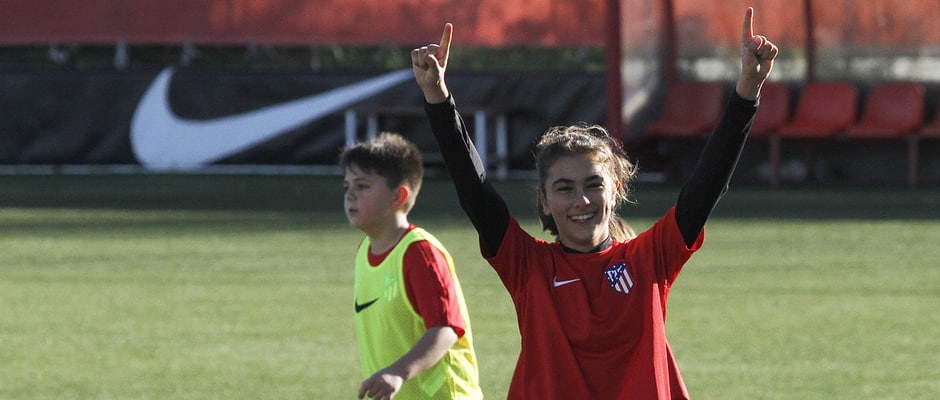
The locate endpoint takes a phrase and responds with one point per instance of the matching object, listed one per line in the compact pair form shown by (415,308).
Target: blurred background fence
(72,76)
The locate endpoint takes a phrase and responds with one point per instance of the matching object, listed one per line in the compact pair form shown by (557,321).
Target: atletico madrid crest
(618,275)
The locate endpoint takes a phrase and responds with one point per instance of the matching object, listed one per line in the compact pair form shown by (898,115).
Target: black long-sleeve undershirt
(488,211)
(712,175)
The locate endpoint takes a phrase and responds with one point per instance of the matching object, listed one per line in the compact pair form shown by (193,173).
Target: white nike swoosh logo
(563,283)
(162,140)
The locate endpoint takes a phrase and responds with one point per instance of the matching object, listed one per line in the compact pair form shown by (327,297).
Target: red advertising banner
(303,22)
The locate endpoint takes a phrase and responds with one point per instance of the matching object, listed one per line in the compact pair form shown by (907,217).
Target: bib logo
(618,276)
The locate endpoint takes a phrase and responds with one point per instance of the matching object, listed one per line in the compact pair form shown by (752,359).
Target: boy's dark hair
(390,156)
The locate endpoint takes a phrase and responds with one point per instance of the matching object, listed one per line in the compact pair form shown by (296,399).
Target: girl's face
(368,201)
(578,194)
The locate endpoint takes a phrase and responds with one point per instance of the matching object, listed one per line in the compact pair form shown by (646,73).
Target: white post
(502,146)
(372,126)
(479,129)
(350,115)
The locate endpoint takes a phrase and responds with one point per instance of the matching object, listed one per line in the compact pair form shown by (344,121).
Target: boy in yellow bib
(412,324)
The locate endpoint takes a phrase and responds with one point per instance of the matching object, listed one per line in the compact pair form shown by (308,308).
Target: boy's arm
(430,287)
(428,351)
(709,180)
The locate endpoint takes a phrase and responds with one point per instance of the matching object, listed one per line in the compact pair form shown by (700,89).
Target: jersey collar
(603,246)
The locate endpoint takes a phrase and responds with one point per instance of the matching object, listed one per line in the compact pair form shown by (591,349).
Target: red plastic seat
(773,112)
(823,111)
(692,109)
(893,111)
(930,131)
(774,109)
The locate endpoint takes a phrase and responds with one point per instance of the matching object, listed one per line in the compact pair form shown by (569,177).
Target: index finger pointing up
(446,37)
(747,31)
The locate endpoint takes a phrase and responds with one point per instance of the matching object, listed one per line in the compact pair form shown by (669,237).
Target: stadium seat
(930,131)
(823,111)
(774,112)
(893,111)
(692,110)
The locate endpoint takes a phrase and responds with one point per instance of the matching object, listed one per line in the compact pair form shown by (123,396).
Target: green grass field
(240,287)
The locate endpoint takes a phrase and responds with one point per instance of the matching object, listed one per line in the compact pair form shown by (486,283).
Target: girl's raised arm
(712,174)
(480,201)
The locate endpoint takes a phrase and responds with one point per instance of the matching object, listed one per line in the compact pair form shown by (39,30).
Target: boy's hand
(757,59)
(429,64)
(383,385)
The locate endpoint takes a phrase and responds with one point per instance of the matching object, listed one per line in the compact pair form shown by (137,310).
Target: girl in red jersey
(591,306)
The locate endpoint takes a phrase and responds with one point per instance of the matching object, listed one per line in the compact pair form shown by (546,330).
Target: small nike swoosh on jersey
(363,306)
(162,140)
(563,283)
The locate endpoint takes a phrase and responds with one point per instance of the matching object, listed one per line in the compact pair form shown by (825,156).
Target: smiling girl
(591,306)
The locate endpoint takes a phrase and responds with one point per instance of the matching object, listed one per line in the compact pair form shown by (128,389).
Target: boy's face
(368,202)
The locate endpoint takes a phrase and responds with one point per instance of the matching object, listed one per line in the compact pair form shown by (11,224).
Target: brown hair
(595,142)
(391,156)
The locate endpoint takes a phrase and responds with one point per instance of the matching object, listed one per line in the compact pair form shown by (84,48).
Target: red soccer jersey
(593,325)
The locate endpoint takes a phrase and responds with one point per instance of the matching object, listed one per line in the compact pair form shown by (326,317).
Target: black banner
(185,118)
